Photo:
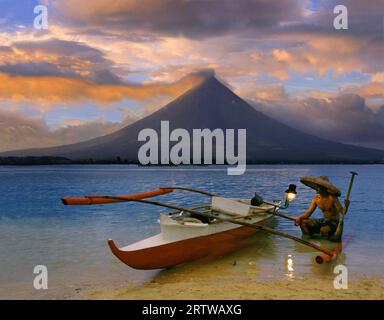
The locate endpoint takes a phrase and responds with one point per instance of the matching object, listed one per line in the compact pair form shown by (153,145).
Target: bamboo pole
(192,190)
(284,216)
(214,195)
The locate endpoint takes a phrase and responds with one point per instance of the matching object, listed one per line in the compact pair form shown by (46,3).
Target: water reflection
(326,269)
(290,267)
(307,256)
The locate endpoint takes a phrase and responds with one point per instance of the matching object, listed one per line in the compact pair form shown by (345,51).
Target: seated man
(330,206)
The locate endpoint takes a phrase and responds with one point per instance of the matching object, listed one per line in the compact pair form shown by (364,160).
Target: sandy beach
(235,277)
(227,288)
(367,288)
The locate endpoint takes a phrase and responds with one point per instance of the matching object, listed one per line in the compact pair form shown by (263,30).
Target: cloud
(55,71)
(345,118)
(378,77)
(198,19)
(280,56)
(19,131)
(190,18)
(154,39)
(264,92)
(54,89)
(374,89)
(35,69)
(305,36)
(54,57)
(333,53)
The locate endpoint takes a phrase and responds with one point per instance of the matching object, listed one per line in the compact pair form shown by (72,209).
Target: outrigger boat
(188,234)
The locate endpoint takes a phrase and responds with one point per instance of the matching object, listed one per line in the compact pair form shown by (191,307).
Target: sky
(103,64)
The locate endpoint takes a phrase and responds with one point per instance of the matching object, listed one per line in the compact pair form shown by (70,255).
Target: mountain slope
(212,105)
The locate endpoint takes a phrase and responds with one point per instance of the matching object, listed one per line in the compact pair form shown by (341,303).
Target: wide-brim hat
(323,182)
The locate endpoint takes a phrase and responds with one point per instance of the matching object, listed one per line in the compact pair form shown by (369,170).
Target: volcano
(213,105)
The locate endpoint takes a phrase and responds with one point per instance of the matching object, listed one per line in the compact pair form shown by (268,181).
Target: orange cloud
(263,91)
(53,89)
(369,90)
(378,77)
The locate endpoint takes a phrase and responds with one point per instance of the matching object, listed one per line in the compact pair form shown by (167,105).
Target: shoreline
(222,288)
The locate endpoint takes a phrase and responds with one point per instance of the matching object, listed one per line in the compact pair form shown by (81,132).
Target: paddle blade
(88,200)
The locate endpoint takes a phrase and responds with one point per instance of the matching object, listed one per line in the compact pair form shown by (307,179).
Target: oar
(266,229)
(339,231)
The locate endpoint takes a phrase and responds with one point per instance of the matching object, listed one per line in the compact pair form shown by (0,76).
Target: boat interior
(232,208)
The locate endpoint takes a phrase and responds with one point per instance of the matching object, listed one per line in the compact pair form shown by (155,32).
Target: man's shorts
(314,225)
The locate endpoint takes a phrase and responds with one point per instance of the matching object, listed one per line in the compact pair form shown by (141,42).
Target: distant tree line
(46,160)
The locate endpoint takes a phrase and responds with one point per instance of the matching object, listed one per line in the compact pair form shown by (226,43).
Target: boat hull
(186,250)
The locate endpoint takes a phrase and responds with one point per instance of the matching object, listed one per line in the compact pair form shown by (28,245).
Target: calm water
(35,228)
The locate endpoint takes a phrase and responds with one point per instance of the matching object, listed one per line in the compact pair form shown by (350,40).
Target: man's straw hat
(316,182)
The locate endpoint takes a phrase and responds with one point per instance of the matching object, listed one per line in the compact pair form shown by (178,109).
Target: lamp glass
(291,196)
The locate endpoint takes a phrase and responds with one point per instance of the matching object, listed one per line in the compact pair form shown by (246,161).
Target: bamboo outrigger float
(188,234)
(88,200)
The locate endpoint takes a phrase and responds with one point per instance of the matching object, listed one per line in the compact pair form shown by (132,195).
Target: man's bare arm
(307,213)
(310,210)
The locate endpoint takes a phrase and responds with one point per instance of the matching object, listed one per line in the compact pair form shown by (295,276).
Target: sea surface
(71,241)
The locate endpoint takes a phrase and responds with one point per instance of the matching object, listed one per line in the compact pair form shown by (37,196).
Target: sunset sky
(102,64)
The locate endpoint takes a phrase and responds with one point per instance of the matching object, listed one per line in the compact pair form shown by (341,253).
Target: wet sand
(195,286)
(366,288)
(236,276)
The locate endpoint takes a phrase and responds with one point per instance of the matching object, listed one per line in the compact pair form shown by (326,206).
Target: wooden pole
(339,231)
(193,190)
(245,224)
(284,216)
